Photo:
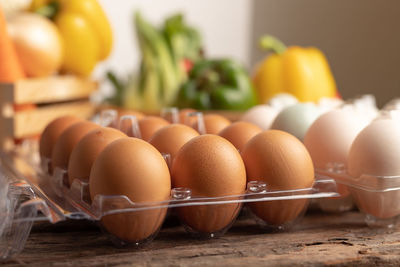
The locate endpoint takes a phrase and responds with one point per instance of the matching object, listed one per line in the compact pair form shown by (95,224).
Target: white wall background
(359,37)
(224,25)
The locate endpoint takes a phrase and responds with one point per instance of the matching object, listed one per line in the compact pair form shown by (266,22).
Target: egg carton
(376,196)
(37,196)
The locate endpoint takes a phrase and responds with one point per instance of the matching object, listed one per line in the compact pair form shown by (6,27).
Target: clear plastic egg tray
(376,196)
(35,196)
(335,205)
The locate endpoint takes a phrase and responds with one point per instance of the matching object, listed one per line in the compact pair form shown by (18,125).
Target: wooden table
(318,239)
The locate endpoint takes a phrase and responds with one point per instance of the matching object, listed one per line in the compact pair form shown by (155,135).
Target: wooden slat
(32,122)
(6,130)
(46,90)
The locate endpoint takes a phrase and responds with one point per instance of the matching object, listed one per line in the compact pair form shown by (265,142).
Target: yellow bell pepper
(302,72)
(81,49)
(85,30)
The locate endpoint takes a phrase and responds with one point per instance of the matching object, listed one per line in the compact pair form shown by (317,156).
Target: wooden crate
(53,96)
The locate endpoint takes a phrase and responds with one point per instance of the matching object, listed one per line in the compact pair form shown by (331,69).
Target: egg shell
(261,115)
(171,138)
(67,141)
(296,119)
(214,123)
(393,104)
(87,149)
(210,166)
(281,161)
(239,133)
(51,133)
(329,103)
(282,100)
(376,150)
(149,125)
(133,168)
(364,107)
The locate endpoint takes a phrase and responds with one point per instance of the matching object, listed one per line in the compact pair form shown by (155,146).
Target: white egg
(330,136)
(328,140)
(261,115)
(376,150)
(296,119)
(364,107)
(392,104)
(374,162)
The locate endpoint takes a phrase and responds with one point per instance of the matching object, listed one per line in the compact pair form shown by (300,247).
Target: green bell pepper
(217,84)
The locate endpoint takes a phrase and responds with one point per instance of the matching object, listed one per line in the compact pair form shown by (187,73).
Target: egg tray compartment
(20,205)
(376,196)
(334,205)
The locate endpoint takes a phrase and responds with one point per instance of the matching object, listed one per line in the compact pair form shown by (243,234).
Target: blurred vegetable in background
(167,54)
(37,42)
(11,7)
(86,32)
(302,72)
(217,84)
(10,68)
(173,72)
(184,41)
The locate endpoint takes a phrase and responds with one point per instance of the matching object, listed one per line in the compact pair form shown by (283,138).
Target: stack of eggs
(219,162)
(279,144)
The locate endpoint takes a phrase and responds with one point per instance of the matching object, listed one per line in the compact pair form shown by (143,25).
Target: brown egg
(281,161)
(67,141)
(210,166)
(213,123)
(133,168)
(149,125)
(239,133)
(51,133)
(87,149)
(183,114)
(171,138)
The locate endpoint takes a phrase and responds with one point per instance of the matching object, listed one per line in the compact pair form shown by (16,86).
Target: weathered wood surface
(319,239)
